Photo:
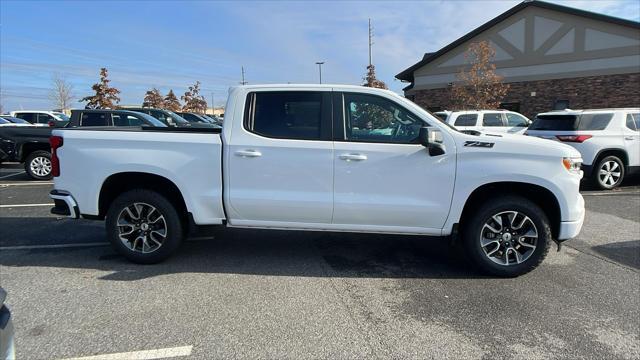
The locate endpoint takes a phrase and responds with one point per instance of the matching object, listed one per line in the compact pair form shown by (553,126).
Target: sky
(172,44)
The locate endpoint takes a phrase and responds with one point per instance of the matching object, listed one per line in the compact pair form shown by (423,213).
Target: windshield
(62,116)
(152,120)
(15,120)
(177,118)
(3,121)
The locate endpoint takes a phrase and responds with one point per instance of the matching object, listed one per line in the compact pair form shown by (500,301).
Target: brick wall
(587,92)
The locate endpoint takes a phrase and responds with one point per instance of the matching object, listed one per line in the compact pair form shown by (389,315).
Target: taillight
(56,142)
(51,123)
(573,138)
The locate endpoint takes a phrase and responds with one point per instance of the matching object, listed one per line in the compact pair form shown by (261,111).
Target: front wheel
(507,236)
(143,226)
(38,165)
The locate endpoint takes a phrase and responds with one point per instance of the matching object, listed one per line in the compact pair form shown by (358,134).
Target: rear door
(280,160)
(384,180)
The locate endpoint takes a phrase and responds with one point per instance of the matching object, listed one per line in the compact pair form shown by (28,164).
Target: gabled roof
(407,74)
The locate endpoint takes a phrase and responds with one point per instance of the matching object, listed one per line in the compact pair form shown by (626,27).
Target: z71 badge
(479,144)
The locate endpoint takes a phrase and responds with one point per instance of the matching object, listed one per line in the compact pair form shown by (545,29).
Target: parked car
(608,139)
(194,118)
(28,145)
(494,121)
(168,117)
(42,118)
(11,121)
(103,117)
(287,158)
(214,119)
(7,342)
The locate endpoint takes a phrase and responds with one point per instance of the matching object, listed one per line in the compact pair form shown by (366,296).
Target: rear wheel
(38,165)
(609,173)
(507,236)
(144,226)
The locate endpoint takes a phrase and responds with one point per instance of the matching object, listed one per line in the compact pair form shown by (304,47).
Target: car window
(466,120)
(373,118)
(594,121)
(3,121)
(125,120)
(554,122)
(288,115)
(633,121)
(492,119)
(45,118)
(94,119)
(516,120)
(30,117)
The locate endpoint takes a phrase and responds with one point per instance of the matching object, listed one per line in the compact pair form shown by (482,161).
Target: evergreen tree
(153,99)
(105,97)
(171,102)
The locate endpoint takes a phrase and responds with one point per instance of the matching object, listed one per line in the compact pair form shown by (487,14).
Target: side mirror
(431,139)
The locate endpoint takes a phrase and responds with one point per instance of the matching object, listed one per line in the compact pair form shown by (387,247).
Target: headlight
(572,164)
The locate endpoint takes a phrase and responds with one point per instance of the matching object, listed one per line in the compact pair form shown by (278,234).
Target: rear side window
(633,121)
(594,121)
(94,119)
(30,117)
(466,120)
(516,120)
(492,119)
(286,115)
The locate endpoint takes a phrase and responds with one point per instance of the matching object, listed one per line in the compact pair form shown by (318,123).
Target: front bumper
(64,204)
(571,229)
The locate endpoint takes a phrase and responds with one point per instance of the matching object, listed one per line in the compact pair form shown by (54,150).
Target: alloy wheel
(141,228)
(41,166)
(508,238)
(609,173)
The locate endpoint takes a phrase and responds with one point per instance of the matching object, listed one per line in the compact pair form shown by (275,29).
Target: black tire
(35,165)
(472,232)
(174,227)
(604,183)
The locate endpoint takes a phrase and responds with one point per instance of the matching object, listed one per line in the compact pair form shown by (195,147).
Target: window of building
(511,106)
(492,119)
(285,114)
(94,119)
(371,118)
(466,120)
(434,108)
(561,104)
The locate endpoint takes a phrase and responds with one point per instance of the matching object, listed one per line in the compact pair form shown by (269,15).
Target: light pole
(319,63)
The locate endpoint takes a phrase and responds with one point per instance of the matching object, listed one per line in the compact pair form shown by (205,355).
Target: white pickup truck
(326,158)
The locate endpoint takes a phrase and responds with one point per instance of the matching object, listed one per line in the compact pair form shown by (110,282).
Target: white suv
(496,121)
(608,139)
(42,118)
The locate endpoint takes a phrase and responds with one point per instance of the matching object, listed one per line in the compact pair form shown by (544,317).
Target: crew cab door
(632,138)
(280,160)
(384,180)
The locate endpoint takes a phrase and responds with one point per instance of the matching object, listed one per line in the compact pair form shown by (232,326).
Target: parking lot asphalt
(275,294)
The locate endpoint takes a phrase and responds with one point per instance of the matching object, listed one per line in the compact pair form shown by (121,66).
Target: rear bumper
(64,204)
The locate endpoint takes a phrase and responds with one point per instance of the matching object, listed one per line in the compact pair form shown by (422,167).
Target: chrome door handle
(353,157)
(248,153)
(628,138)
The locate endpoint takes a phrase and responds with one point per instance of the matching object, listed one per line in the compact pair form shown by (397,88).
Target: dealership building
(552,56)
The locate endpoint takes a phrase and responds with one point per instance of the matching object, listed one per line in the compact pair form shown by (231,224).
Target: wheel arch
(618,152)
(119,183)
(27,148)
(539,195)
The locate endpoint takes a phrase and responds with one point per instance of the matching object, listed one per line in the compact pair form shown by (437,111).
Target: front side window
(372,118)
(45,118)
(466,120)
(492,119)
(285,114)
(126,120)
(516,120)
(633,121)
(94,119)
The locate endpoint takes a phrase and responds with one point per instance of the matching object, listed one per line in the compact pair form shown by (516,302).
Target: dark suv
(170,118)
(82,118)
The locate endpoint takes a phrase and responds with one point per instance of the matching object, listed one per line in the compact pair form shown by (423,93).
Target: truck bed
(190,158)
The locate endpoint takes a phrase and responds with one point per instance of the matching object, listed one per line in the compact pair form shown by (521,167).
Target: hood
(517,144)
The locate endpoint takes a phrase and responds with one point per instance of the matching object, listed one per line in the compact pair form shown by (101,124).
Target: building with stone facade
(553,57)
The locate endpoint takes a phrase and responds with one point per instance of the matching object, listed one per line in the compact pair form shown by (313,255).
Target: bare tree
(479,87)
(370,79)
(105,96)
(193,101)
(60,93)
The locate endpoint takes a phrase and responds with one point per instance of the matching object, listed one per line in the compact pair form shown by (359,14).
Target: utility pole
(370,41)
(243,82)
(319,63)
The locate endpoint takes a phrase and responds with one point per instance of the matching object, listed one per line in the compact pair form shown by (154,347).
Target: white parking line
(142,355)
(10,175)
(29,183)
(25,205)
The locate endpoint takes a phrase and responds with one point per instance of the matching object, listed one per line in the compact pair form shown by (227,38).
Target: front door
(280,160)
(384,179)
